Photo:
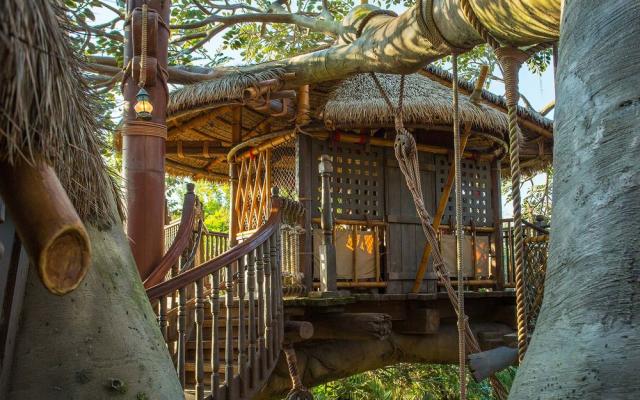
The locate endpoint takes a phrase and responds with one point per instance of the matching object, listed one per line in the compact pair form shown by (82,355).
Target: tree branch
(331,28)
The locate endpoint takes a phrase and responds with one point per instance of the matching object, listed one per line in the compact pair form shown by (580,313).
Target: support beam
(352,326)
(200,149)
(437,218)
(144,140)
(236,137)
(328,276)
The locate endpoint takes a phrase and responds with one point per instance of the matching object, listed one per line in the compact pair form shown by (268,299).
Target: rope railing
(226,329)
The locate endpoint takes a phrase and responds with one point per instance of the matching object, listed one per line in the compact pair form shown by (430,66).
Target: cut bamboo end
(47,223)
(65,260)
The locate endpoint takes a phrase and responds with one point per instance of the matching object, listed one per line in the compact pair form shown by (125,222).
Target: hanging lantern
(143,107)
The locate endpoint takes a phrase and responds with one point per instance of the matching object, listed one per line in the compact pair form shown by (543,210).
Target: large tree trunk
(327,360)
(99,341)
(587,341)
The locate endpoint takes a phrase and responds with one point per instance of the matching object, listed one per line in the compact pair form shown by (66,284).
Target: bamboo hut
(261,133)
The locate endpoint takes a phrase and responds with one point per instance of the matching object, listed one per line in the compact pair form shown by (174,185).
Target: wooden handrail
(181,241)
(226,258)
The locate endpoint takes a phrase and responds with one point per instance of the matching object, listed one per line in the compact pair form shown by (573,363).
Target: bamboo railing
(230,305)
(536,247)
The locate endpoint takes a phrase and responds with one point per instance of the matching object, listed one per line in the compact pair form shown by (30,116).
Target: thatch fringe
(48,110)
(357,101)
(226,88)
(492,97)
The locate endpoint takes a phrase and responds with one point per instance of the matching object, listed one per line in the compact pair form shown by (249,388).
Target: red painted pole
(143,148)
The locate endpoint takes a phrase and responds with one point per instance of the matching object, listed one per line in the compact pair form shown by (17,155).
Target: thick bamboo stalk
(49,227)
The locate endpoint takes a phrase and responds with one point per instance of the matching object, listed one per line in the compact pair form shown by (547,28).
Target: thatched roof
(47,109)
(357,102)
(432,71)
(216,91)
(354,102)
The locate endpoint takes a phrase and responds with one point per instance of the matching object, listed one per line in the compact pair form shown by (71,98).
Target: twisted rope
(143,56)
(407,155)
(511,60)
(458,205)
(298,390)
(470,15)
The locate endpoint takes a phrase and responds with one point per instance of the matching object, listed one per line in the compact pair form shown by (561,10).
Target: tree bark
(400,44)
(587,344)
(328,360)
(99,341)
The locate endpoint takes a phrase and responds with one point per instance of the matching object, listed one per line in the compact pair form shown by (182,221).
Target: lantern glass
(143,106)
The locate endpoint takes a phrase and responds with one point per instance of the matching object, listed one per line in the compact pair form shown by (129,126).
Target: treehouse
(265,136)
(355,264)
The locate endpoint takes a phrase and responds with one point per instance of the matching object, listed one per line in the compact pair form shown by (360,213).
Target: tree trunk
(587,341)
(97,342)
(321,361)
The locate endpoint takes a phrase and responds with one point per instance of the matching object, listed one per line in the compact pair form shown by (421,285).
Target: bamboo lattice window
(476,191)
(283,168)
(252,202)
(357,182)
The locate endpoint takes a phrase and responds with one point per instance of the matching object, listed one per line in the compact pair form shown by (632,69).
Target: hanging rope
(458,204)
(407,155)
(298,391)
(143,56)
(511,59)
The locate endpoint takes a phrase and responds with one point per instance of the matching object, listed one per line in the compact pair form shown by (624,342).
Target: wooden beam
(195,171)
(202,149)
(352,326)
(349,138)
(437,219)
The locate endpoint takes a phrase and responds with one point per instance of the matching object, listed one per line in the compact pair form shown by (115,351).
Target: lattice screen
(476,191)
(283,168)
(254,187)
(535,268)
(358,180)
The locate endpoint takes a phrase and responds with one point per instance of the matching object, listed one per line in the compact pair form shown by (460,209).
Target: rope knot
(511,60)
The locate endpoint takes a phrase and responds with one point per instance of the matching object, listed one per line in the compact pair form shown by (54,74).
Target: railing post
(496,205)
(233,193)
(328,278)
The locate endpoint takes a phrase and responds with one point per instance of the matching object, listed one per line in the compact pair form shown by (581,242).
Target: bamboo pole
(47,223)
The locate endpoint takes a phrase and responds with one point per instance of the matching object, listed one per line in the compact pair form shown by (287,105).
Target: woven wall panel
(476,191)
(358,180)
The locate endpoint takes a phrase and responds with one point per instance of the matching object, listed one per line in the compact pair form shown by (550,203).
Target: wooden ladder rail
(259,342)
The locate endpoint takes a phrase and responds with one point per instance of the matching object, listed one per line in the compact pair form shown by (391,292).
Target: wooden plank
(14,268)
(444,199)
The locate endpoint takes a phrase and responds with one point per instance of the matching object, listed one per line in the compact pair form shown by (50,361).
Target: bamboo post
(437,218)
(49,227)
(328,278)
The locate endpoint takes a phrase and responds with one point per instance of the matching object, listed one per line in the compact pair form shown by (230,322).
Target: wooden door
(405,237)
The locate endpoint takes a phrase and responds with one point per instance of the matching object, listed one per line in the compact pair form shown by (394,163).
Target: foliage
(214,198)
(408,382)
(537,194)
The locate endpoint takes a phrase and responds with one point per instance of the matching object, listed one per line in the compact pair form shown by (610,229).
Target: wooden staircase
(223,319)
